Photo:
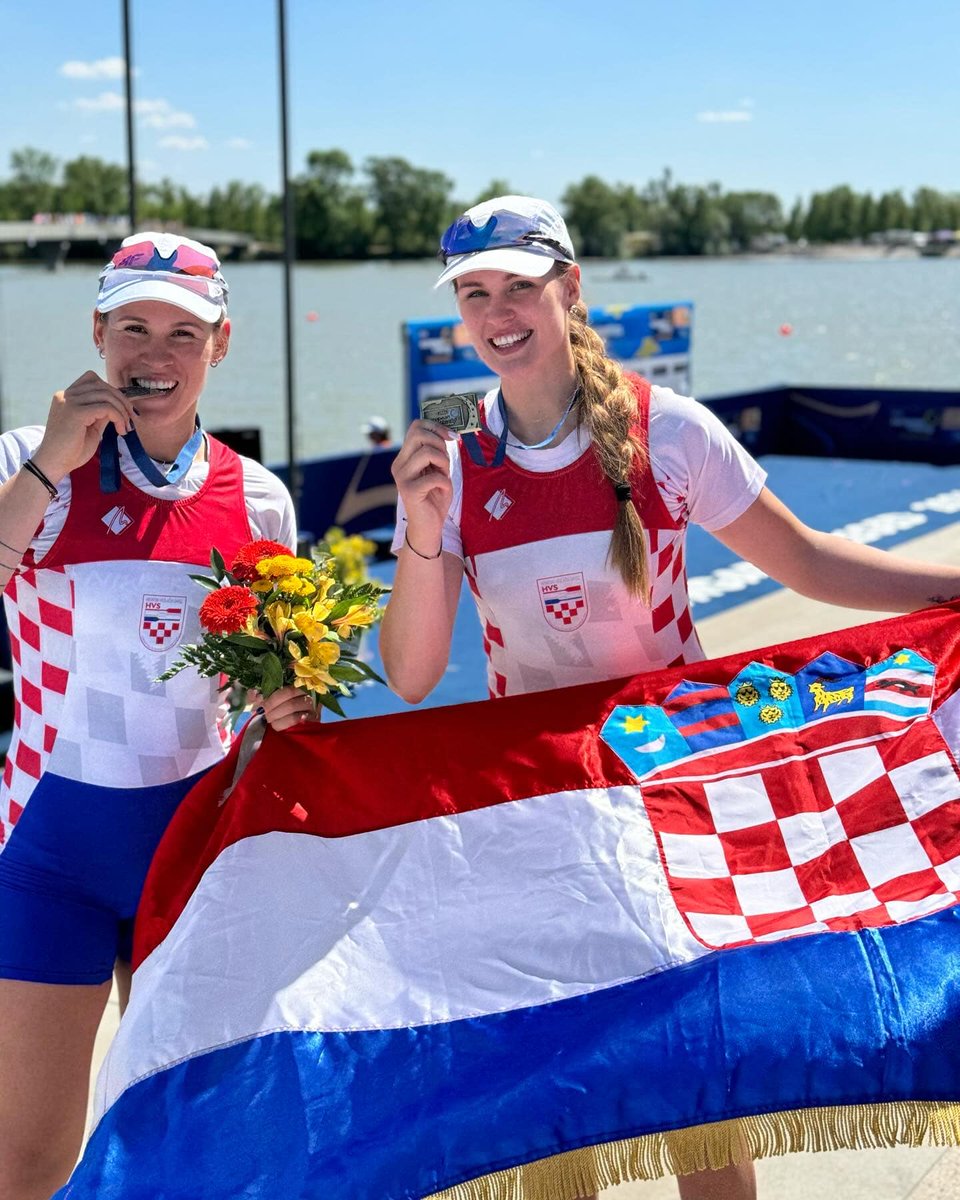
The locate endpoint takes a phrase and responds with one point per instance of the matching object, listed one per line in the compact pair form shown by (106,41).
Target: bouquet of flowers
(275,619)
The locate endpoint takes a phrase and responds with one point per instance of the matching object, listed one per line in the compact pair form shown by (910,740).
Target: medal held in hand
(459,411)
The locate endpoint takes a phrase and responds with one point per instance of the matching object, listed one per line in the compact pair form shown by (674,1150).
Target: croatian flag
(541,945)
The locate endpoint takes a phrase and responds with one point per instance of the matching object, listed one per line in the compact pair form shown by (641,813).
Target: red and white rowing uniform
(534,536)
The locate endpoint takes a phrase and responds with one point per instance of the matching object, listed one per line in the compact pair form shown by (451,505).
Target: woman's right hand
(421,471)
(289,708)
(76,421)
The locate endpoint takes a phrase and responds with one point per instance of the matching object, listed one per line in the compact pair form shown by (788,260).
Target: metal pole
(289,255)
(131,159)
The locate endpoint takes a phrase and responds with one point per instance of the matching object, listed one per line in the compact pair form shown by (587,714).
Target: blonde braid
(608,407)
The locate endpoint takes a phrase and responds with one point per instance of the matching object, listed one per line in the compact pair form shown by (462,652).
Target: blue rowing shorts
(71,875)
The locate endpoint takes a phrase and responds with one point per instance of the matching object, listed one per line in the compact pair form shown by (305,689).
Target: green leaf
(206,581)
(368,671)
(330,701)
(217,564)
(271,674)
(347,672)
(246,640)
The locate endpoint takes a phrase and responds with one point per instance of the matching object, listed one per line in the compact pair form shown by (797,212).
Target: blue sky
(788,98)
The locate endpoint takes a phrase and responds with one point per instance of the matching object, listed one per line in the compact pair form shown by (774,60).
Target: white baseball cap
(167,267)
(517,234)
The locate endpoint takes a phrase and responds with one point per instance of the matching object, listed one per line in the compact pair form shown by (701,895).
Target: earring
(100,352)
(215,362)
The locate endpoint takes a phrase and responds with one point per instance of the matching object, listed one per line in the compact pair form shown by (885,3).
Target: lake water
(873,322)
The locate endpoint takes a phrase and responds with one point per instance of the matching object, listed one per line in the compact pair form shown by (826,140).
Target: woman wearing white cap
(104,513)
(568,511)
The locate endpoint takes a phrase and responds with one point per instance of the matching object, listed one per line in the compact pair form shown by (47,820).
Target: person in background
(568,511)
(105,512)
(377,431)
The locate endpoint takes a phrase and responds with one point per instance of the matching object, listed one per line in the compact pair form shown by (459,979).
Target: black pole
(131,159)
(289,255)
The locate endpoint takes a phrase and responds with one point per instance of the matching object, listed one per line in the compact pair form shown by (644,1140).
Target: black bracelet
(21,553)
(31,466)
(428,557)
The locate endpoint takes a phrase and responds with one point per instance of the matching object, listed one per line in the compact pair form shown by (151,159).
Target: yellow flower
(282,565)
(349,555)
(294,585)
(310,671)
(356,617)
(253,628)
(279,616)
(323,584)
(311,622)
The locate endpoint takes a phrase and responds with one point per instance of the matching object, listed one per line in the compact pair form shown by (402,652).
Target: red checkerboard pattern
(565,613)
(838,827)
(41,632)
(670,605)
(160,632)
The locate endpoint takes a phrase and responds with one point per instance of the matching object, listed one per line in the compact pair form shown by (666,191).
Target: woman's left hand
(289,708)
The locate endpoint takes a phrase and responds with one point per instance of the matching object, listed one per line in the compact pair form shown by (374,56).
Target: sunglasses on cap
(185,260)
(500,231)
(115,281)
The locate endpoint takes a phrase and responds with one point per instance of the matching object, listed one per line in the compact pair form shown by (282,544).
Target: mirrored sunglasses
(114,278)
(501,230)
(144,256)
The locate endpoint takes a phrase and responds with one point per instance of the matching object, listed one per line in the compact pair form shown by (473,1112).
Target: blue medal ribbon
(473,444)
(110,459)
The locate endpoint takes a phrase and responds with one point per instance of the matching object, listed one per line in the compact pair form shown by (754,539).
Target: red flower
(226,610)
(244,566)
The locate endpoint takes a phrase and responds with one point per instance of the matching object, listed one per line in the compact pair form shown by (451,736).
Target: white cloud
(734,114)
(160,114)
(105,102)
(175,142)
(101,68)
(155,114)
(239,143)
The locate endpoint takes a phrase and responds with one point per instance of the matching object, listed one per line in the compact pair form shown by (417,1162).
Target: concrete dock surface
(907,1173)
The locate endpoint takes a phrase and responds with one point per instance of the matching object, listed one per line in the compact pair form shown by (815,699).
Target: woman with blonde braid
(568,511)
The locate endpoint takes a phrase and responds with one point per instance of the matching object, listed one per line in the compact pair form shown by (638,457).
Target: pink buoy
(786,329)
(313,316)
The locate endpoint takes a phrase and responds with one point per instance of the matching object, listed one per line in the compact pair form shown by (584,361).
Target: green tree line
(390,208)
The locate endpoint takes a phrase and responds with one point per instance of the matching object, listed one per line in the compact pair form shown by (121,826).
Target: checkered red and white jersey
(99,618)
(535,545)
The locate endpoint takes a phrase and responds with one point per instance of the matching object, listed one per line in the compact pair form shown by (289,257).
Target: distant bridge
(52,240)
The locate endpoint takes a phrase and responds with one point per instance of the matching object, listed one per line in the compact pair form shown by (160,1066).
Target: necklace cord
(518,445)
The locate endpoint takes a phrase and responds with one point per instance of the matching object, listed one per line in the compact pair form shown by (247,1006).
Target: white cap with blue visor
(517,234)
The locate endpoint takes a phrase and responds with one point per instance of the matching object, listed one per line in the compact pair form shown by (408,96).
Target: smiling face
(519,324)
(159,346)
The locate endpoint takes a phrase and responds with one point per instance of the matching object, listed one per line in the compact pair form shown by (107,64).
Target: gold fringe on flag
(582,1172)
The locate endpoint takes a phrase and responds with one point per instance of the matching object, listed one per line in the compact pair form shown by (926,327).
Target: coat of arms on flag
(161,621)
(630,928)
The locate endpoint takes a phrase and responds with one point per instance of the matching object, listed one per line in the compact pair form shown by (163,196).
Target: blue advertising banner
(651,339)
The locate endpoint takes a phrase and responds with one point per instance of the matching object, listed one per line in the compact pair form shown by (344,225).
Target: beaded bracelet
(31,466)
(428,557)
